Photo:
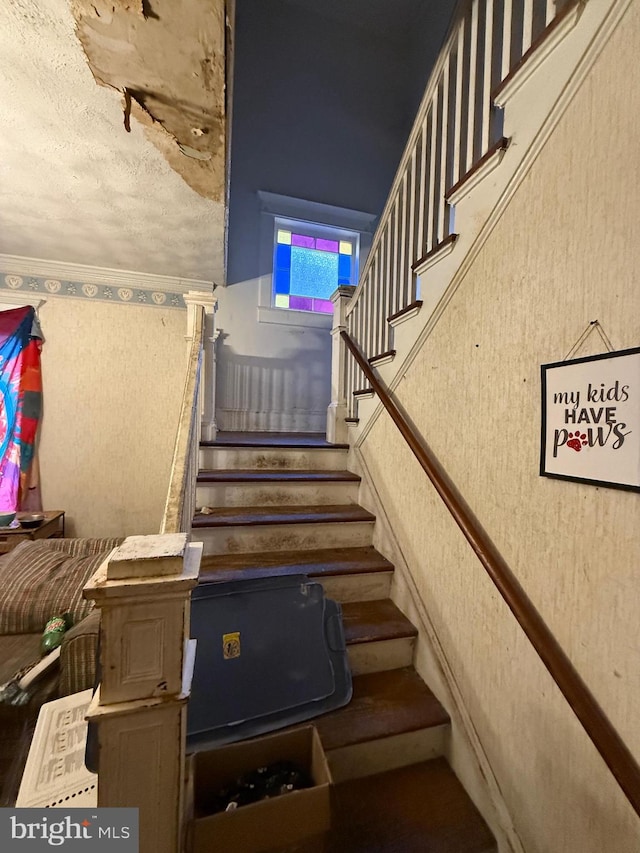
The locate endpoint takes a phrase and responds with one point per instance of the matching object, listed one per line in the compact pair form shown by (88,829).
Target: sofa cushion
(38,582)
(83,547)
(78,655)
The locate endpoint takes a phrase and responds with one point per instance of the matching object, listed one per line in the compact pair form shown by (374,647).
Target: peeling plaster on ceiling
(169,57)
(74,185)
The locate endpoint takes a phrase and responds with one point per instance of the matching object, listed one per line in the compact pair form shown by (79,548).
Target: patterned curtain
(20,409)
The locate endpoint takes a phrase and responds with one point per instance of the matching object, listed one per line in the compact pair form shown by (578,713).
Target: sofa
(40,579)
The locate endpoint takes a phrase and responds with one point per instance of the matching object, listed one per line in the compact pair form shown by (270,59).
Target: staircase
(285,504)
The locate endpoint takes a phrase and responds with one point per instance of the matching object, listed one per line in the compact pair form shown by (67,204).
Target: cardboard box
(267,824)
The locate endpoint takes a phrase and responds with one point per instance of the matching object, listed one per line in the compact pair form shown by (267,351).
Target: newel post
(143,591)
(209,302)
(337,410)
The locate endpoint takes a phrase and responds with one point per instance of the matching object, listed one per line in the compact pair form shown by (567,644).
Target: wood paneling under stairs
(417,809)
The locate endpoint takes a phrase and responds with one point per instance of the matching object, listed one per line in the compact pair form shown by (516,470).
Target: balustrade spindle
(457,121)
(433,147)
(473,68)
(486,76)
(549,12)
(506,38)
(527,25)
(444,148)
(402,201)
(385,244)
(411,243)
(422,142)
(394,265)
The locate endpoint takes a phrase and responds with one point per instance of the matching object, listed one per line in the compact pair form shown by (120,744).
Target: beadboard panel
(564,253)
(112,380)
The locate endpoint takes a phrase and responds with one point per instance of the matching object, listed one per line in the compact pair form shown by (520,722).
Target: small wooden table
(52,527)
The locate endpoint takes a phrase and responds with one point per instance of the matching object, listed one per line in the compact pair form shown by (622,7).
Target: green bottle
(54,631)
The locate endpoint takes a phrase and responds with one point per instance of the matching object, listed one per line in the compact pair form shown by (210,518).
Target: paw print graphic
(577,441)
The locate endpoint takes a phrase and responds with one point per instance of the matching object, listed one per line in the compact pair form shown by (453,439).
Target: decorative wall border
(31,276)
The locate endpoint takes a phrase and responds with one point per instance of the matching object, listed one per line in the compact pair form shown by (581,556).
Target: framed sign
(591,420)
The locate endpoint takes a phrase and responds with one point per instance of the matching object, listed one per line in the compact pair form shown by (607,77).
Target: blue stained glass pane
(283,256)
(281,281)
(344,266)
(344,281)
(313,273)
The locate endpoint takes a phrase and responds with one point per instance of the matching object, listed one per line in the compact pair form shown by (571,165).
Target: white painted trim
(435,258)
(288,317)
(538,56)
(468,184)
(500,821)
(272,420)
(315,211)
(272,207)
(12,299)
(20,265)
(378,362)
(407,315)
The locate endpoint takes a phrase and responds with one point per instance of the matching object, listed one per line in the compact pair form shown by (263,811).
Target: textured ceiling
(74,185)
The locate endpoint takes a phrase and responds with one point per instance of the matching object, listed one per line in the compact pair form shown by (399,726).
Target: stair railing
(181,496)
(604,736)
(456,125)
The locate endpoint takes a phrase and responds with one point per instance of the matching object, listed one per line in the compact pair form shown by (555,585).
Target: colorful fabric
(20,405)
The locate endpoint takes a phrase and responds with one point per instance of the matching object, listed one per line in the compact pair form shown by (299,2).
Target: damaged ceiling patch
(168,60)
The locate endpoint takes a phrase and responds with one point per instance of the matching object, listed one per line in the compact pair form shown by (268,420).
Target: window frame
(276,210)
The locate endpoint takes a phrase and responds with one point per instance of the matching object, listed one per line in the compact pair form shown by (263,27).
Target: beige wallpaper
(112,381)
(565,252)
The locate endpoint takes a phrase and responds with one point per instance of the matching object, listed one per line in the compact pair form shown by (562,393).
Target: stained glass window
(307,268)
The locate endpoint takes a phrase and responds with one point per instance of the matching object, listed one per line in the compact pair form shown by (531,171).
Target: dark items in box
(270,823)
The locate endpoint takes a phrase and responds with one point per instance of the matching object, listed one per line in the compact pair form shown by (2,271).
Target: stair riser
(370,586)
(376,756)
(276,459)
(284,537)
(276,494)
(381,655)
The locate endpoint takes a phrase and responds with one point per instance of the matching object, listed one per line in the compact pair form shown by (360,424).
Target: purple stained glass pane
(302,241)
(301,303)
(323,305)
(327,245)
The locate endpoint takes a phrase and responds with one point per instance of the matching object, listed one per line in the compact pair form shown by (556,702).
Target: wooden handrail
(181,464)
(606,739)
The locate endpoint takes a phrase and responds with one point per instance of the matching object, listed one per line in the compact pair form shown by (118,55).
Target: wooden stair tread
(252,475)
(384,704)
(320,563)
(273,439)
(369,621)
(247,516)
(421,808)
